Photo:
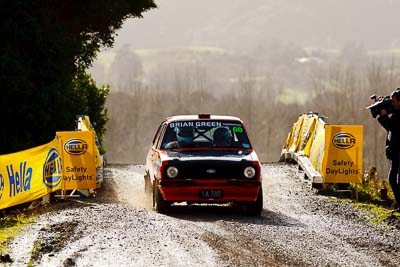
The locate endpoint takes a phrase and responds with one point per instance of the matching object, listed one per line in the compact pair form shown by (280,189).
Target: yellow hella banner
(343,154)
(30,174)
(79,155)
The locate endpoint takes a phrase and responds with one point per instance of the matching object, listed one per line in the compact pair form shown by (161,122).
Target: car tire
(159,204)
(255,208)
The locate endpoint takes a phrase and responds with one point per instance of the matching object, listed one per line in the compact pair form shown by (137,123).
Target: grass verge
(10,226)
(375,204)
(378,213)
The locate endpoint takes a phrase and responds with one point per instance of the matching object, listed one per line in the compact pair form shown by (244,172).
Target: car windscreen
(205,133)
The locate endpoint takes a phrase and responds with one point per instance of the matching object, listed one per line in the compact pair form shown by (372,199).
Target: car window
(158,134)
(210,133)
(161,133)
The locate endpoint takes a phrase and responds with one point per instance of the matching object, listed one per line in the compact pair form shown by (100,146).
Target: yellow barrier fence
(327,153)
(30,174)
(84,124)
(318,145)
(67,163)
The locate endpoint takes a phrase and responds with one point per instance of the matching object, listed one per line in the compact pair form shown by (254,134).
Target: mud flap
(148,186)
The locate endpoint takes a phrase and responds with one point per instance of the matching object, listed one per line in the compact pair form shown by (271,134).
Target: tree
(45,46)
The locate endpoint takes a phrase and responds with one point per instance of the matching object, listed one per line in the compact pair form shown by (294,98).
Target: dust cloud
(127,183)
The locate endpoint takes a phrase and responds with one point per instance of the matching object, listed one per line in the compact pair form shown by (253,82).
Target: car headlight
(249,172)
(172,172)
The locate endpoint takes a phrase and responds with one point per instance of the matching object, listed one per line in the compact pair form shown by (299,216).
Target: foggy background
(262,60)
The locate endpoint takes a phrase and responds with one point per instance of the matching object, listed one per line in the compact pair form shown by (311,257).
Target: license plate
(211,194)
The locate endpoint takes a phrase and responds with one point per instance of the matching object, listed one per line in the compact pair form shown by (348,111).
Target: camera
(381,102)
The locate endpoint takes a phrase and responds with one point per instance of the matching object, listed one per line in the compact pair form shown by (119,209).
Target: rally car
(203,159)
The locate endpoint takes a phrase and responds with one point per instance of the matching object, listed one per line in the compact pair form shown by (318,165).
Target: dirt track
(118,228)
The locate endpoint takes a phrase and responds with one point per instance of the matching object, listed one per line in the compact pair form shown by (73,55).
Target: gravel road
(119,228)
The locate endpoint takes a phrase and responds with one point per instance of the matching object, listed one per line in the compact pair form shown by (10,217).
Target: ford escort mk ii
(203,159)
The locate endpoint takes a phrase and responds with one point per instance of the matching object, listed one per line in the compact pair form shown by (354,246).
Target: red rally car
(203,159)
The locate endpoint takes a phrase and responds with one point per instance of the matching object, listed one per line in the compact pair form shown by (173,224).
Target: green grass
(379,214)
(10,226)
(378,211)
(291,96)
(336,52)
(341,200)
(390,52)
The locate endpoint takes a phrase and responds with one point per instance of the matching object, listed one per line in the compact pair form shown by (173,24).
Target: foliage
(45,45)
(375,198)
(373,189)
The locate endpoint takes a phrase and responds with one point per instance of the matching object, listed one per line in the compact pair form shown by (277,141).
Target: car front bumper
(237,191)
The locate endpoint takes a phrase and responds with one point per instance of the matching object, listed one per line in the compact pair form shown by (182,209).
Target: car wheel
(147,183)
(255,208)
(159,204)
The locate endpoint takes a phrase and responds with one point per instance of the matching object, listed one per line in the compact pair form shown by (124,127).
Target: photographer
(391,122)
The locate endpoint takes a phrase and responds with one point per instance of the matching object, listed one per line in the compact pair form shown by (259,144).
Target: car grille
(211,169)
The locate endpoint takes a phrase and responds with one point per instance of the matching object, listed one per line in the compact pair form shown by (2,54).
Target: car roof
(201,117)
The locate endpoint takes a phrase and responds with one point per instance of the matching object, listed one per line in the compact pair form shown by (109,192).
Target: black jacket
(392,126)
